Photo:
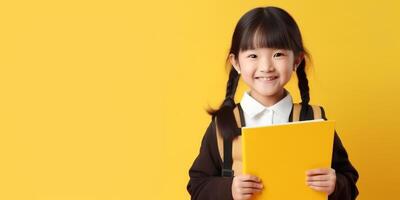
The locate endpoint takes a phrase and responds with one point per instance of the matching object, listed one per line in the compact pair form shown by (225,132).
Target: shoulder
(311,111)
(227,121)
(318,111)
(209,135)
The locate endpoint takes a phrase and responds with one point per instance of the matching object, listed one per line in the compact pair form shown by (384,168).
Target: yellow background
(105,99)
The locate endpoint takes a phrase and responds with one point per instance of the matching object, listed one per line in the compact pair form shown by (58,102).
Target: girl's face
(266,71)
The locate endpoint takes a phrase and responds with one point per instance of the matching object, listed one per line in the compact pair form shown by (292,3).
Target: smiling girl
(266,50)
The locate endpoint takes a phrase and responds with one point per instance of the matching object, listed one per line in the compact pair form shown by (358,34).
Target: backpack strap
(226,148)
(298,112)
(317,110)
(228,161)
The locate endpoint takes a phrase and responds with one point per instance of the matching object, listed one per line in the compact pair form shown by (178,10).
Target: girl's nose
(267,67)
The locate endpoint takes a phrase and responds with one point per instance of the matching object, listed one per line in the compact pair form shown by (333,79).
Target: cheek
(247,75)
(286,74)
(247,71)
(289,75)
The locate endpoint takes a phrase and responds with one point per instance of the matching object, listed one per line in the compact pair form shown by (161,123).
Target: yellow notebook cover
(281,154)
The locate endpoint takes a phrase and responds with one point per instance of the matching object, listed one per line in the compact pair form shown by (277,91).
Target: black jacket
(206,182)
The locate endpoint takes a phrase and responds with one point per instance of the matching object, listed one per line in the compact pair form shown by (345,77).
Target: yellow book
(281,154)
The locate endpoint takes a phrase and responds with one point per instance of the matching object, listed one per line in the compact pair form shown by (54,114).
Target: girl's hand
(245,186)
(323,179)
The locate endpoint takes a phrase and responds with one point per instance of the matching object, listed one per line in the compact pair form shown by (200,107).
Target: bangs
(268,34)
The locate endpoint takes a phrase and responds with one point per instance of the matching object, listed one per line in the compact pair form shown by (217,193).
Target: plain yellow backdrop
(106,99)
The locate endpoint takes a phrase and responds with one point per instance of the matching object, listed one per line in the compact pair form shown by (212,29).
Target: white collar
(252,107)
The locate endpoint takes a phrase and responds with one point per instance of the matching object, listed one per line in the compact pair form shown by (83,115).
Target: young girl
(266,49)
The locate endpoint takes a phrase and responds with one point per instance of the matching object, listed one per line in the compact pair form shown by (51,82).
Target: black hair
(262,27)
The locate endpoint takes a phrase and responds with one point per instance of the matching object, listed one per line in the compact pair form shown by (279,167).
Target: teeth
(267,78)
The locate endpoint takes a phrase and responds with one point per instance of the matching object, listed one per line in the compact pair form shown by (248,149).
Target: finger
(249,190)
(250,185)
(319,183)
(320,171)
(318,178)
(246,196)
(249,178)
(320,189)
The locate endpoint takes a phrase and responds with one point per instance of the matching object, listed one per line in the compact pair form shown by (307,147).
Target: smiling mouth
(271,78)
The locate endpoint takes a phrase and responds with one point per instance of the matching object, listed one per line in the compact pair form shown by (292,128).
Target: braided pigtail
(231,86)
(226,121)
(303,87)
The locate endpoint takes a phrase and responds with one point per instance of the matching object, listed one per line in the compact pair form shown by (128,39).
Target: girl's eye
(252,56)
(278,54)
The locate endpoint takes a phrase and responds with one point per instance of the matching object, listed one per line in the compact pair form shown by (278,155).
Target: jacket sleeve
(206,182)
(346,174)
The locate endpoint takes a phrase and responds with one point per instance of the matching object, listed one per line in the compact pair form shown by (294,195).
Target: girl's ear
(234,62)
(298,60)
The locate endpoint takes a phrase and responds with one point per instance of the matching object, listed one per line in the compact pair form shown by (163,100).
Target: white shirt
(256,114)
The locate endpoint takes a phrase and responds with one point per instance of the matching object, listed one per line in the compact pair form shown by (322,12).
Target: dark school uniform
(206,181)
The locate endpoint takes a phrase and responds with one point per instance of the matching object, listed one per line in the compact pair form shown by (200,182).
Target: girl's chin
(265,93)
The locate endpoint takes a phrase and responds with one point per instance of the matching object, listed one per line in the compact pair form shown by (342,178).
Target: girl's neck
(268,101)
